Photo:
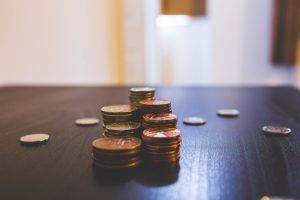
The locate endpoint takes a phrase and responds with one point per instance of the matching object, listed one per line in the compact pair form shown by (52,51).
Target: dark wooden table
(224,159)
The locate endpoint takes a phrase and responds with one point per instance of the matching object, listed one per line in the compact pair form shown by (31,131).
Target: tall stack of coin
(138,94)
(122,129)
(164,120)
(118,113)
(117,152)
(161,145)
(156,106)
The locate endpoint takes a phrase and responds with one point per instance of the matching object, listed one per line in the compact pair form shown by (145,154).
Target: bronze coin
(123,126)
(276,130)
(160,118)
(118,109)
(162,134)
(116,161)
(123,166)
(155,102)
(116,143)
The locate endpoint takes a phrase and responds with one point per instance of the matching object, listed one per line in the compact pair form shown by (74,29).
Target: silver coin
(194,121)
(34,138)
(142,89)
(276,130)
(228,112)
(87,121)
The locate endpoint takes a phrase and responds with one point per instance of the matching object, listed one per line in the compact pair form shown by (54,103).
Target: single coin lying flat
(87,121)
(34,138)
(228,113)
(194,121)
(276,130)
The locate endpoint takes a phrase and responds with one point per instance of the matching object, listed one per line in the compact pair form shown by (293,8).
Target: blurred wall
(242,31)
(61,42)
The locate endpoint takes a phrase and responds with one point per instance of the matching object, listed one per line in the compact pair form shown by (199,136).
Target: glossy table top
(228,158)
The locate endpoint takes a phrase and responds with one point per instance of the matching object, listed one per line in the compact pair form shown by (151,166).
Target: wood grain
(224,159)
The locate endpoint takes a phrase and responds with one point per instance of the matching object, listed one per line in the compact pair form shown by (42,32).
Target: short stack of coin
(155,106)
(164,120)
(118,113)
(117,152)
(122,129)
(161,145)
(138,94)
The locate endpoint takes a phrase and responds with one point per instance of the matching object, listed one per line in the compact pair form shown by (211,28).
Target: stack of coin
(118,113)
(161,145)
(164,120)
(122,129)
(117,152)
(156,106)
(138,94)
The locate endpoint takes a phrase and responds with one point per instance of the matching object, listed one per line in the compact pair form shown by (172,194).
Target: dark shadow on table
(157,175)
(113,177)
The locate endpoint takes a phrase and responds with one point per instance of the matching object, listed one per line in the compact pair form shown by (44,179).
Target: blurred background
(180,42)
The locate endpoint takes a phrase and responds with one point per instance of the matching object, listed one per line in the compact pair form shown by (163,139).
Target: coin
(126,166)
(160,118)
(194,121)
(87,121)
(155,102)
(161,134)
(142,89)
(228,113)
(123,126)
(276,130)
(116,143)
(35,138)
(118,109)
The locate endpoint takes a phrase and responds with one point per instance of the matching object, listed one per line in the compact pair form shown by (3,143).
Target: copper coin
(155,102)
(118,109)
(161,134)
(123,126)
(34,138)
(160,118)
(116,143)
(194,121)
(228,113)
(276,130)
(142,89)
(87,121)
(123,166)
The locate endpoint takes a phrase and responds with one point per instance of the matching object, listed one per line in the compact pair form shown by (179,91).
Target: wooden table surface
(224,159)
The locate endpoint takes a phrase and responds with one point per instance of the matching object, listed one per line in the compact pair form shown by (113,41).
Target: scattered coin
(228,113)
(276,130)
(194,121)
(87,121)
(35,138)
